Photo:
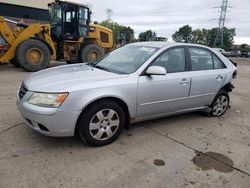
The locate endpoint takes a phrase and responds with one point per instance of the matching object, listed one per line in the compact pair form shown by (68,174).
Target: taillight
(234,63)
(2,44)
(235,74)
(2,47)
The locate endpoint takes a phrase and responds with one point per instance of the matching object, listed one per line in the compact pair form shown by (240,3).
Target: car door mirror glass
(156,70)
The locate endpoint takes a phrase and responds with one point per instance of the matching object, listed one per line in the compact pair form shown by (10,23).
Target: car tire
(33,55)
(220,104)
(90,53)
(101,123)
(71,62)
(15,62)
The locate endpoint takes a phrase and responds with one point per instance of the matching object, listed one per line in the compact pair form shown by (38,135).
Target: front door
(161,94)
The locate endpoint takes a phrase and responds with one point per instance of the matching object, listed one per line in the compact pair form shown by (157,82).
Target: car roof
(154,44)
(161,44)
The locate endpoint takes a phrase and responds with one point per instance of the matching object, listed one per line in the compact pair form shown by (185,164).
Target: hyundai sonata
(137,82)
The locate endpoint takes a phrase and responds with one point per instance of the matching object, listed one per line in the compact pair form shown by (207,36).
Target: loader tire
(15,62)
(33,55)
(90,53)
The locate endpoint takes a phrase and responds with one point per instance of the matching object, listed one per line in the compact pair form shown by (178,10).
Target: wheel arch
(87,42)
(118,100)
(228,87)
(43,41)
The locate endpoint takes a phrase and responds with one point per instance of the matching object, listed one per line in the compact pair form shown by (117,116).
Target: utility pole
(222,20)
(109,13)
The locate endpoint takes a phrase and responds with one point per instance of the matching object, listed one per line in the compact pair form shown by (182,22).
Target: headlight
(49,100)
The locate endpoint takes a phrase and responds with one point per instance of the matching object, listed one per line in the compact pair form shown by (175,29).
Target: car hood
(63,77)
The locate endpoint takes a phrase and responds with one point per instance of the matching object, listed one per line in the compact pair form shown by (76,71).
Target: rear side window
(202,59)
(217,63)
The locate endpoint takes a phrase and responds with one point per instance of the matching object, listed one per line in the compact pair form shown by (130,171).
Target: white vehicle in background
(220,50)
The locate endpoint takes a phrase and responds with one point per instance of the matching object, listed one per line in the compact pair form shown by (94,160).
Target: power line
(109,13)
(222,19)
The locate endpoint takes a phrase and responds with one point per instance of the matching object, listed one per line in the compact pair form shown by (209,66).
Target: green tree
(120,33)
(201,36)
(228,38)
(184,34)
(147,36)
(127,34)
(204,36)
(211,36)
(244,48)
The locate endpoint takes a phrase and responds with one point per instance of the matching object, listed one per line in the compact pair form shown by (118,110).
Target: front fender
(78,101)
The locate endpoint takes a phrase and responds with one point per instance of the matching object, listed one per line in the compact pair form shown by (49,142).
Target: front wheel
(220,104)
(33,55)
(90,53)
(102,123)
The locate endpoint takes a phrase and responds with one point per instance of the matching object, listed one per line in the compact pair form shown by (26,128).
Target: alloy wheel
(220,105)
(104,124)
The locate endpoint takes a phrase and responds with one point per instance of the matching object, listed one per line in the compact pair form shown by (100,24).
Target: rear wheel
(102,123)
(220,104)
(91,53)
(71,62)
(33,55)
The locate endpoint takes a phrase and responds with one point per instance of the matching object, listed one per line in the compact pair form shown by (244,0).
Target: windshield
(55,13)
(125,60)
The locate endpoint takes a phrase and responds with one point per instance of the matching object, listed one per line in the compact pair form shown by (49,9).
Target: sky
(166,16)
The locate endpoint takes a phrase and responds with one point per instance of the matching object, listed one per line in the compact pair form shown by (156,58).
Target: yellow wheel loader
(69,36)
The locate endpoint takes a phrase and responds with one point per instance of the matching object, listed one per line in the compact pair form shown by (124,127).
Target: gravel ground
(188,150)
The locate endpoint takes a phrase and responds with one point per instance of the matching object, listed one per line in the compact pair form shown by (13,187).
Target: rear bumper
(49,122)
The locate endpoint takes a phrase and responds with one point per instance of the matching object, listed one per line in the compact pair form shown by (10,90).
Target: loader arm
(41,32)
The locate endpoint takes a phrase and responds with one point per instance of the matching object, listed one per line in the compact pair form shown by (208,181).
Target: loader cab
(69,21)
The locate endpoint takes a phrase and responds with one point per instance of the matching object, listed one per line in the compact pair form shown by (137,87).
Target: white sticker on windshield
(147,49)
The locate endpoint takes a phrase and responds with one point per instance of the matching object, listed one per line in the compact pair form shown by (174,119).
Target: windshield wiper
(100,67)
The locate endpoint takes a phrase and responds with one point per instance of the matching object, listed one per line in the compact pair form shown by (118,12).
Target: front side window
(83,21)
(83,15)
(56,14)
(56,19)
(172,60)
(125,60)
(70,16)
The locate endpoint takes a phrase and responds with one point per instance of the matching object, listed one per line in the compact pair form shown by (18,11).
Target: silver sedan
(137,82)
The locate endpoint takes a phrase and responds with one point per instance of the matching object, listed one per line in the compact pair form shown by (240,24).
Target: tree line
(123,35)
(204,36)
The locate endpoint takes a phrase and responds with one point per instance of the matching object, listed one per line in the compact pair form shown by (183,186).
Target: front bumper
(48,121)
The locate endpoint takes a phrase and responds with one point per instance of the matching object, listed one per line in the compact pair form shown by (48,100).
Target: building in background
(42,4)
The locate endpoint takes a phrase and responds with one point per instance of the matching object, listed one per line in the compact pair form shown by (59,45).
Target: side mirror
(156,70)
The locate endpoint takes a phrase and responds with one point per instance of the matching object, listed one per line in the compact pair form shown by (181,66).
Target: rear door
(207,76)
(160,94)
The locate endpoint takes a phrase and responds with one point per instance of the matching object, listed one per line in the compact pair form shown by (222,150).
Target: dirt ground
(189,150)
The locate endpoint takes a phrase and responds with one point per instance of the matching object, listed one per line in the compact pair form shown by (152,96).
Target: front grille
(22,91)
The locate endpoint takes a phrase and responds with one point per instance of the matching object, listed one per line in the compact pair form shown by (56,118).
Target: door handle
(219,77)
(184,81)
